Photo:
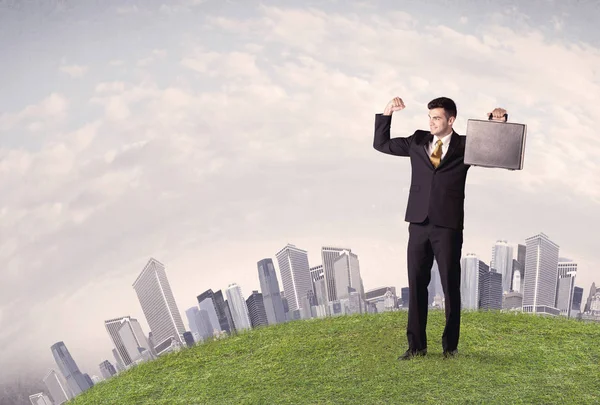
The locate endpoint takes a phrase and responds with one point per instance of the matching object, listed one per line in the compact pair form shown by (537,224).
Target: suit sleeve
(395,146)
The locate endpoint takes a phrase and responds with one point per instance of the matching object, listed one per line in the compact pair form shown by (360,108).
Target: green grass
(504,358)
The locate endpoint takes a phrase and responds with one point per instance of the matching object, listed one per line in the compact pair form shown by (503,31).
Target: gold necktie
(436,156)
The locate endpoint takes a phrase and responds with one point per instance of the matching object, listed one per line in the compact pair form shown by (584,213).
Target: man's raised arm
(381,141)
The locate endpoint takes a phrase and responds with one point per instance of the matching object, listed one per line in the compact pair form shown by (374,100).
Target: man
(435,212)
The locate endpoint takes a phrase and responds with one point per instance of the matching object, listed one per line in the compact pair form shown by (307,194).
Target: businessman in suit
(435,212)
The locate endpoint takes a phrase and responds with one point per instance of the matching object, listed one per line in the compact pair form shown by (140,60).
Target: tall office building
(269,286)
(541,275)
(577,298)
(88,379)
(193,317)
(158,304)
(502,262)
(112,328)
(217,311)
(469,283)
(329,254)
(256,309)
(588,303)
(107,369)
(484,269)
(57,387)
(346,272)
(516,283)
(567,270)
(40,399)
(518,265)
(68,367)
(405,295)
(188,338)
(286,307)
(227,309)
(237,305)
(319,285)
(120,366)
(490,290)
(435,284)
(133,339)
(295,275)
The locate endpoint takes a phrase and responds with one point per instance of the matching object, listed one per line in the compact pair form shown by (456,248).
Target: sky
(210,134)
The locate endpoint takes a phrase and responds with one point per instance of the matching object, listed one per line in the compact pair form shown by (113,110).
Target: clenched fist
(498,114)
(396,104)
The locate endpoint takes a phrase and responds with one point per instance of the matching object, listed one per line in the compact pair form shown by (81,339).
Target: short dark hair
(443,102)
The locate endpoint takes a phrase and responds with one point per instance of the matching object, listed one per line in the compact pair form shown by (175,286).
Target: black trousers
(425,242)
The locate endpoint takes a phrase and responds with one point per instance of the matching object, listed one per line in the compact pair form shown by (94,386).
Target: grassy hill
(504,359)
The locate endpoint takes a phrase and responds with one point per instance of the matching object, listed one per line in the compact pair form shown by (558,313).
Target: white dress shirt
(445,144)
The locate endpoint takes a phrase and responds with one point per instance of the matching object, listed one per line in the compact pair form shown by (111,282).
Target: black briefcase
(495,143)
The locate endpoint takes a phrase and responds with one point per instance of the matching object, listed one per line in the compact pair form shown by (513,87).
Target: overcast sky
(209,134)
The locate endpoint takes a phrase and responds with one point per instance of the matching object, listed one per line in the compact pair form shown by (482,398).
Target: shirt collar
(445,139)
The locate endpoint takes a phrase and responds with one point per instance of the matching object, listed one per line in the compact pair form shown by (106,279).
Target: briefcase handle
(505,117)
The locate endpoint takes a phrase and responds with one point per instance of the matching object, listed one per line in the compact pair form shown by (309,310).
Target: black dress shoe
(450,353)
(409,354)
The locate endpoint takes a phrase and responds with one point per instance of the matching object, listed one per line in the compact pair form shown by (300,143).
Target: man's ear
(451,120)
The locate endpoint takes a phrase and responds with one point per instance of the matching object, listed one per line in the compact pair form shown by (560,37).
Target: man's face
(439,124)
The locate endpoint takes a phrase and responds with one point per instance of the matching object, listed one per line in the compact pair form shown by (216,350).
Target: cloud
(76,71)
(127,9)
(51,110)
(268,140)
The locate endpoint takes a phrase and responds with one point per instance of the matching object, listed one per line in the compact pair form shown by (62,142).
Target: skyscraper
(518,265)
(120,366)
(133,339)
(193,318)
(405,294)
(256,309)
(484,269)
(319,286)
(217,311)
(269,286)
(329,254)
(469,283)
(567,270)
(237,305)
(577,298)
(295,274)
(107,369)
(541,275)
(490,292)
(159,307)
(223,305)
(502,262)
(112,327)
(346,272)
(591,295)
(57,387)
(435,284)
(68,367)
(39,399)
(516,283)
(188,338)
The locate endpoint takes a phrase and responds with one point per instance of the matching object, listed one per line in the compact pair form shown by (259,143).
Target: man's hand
(498,114)
(396,104)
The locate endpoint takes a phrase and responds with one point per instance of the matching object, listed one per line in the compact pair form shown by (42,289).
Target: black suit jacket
(437,193)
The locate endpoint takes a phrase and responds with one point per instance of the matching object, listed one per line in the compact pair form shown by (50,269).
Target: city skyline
(344,253)
(211,135)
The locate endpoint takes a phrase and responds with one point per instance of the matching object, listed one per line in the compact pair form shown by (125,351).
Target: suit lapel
(424,154)
(454,139)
